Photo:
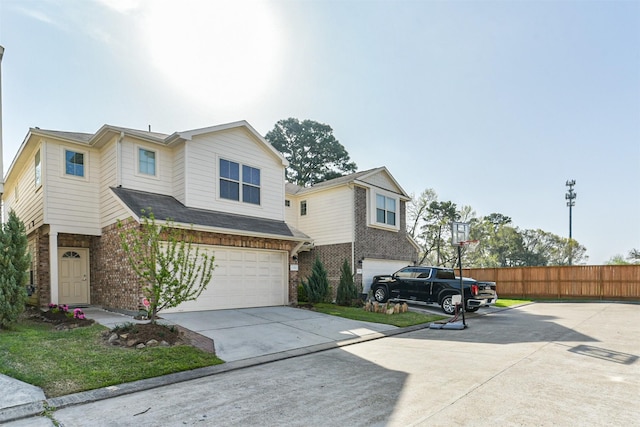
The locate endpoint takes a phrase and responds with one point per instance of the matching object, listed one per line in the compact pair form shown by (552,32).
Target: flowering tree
(14,265)
(172,269)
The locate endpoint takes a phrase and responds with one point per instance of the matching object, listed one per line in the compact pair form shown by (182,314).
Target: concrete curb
(18,412)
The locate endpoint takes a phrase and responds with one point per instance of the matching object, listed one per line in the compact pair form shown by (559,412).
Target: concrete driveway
(251,332)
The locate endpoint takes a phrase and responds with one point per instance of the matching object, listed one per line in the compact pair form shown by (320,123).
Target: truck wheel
(447,305)
(380,294)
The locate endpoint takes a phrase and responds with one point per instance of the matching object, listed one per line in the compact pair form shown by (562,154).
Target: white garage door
(373,267)
(242,278)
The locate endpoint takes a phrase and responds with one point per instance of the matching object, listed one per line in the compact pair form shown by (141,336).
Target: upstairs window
(74,163)
(231,179)
(146,162)
(303,208)
(38,169)
(385,210)
(250,185)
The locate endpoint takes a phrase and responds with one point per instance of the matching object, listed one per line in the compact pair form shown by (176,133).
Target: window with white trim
(146,161)
(232,177)
(73,163)
(38,169)
(303,208)
(386,210)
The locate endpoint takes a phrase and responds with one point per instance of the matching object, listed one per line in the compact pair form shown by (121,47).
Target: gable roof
(356,177)
(108,132)
(168,208)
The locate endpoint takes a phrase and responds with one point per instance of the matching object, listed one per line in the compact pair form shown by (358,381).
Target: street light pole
(570,197)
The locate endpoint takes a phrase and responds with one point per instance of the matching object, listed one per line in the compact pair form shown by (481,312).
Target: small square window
(74,163)
(147,162)
(287,203)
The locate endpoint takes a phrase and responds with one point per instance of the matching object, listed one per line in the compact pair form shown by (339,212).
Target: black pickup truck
(435,285)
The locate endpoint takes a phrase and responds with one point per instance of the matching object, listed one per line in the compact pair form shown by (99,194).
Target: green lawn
(511,302)
(65,362)
(358,313)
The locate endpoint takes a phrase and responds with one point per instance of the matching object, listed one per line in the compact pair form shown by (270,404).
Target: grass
(64,362)
(511,302)
(357,313)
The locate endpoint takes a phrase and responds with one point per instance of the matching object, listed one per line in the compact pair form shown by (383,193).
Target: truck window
(445,274)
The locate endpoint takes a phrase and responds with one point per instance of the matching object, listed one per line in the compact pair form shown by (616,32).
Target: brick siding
(331,256)
(377,243)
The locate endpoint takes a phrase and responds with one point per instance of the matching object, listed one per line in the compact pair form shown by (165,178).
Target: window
(250,185)
(74,163)
(385,210)
(38,169)
(287,203)
(230,182)
(303,208)
(147,161)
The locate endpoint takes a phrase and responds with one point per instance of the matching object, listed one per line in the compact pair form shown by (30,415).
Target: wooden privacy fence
(602,282)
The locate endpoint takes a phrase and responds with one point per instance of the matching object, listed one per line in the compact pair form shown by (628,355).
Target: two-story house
(358,217)
(225,184)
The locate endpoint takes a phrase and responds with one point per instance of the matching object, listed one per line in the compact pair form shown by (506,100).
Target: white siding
(203,156)
(161,183)
(72,202)
(110,208)
(178,173)
(330,216)
(291,212)
(382,180)
(29,207)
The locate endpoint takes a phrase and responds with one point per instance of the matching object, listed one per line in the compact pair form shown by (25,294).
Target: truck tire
(380,294)
(447,305)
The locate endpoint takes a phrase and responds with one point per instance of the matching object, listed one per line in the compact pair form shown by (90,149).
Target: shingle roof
(74,136)
(166,207)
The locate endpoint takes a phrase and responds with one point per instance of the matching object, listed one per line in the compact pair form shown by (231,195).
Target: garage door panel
(373,267)
(243,278)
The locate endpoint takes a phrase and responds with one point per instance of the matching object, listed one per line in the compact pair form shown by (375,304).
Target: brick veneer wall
(38,244)
(332,257)
(377,243)
(115,285)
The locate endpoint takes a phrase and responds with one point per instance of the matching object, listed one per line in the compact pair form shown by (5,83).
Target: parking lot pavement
(550,364)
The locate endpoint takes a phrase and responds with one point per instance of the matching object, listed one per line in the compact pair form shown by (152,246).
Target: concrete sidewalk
(242,337)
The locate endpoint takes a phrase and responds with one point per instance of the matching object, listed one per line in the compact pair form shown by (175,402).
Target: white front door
(73,276)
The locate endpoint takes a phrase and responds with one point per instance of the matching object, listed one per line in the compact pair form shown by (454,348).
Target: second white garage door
(242,278)
(373,267)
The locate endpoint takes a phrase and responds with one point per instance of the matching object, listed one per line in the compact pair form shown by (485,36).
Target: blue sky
(493,104)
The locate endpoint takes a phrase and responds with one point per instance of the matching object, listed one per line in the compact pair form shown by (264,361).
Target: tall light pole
(570,197)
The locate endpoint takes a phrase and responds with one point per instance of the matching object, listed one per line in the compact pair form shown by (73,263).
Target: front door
(73,276)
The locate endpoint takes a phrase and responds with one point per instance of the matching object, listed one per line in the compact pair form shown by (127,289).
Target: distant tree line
(501,244)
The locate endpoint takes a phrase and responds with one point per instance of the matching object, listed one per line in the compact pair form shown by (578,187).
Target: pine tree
(347,291)
(14,265)
(317,285)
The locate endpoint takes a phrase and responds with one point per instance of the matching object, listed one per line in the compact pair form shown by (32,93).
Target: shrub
(317,285)
(347,291)
(14,264)
(302,294)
